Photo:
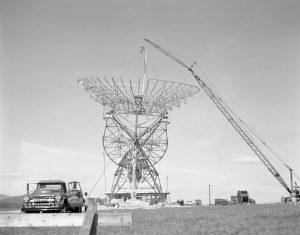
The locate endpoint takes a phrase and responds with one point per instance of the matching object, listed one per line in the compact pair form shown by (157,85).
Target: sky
(50,128)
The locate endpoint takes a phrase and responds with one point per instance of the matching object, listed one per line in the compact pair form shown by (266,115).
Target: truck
(221,201)
(52,196)
(189,203)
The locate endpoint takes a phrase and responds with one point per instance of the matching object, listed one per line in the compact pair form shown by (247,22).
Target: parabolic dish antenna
(135,135)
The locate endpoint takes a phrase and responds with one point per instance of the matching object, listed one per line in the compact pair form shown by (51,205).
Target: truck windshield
(74,185)
(55,186)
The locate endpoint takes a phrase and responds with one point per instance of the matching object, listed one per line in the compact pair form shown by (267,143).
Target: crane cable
(247,127)
(241,122)
(186,58)
(221,102)
(271,150)
(154,68)
(130,61)
(97,181)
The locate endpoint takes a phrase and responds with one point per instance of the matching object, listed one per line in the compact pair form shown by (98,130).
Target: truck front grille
(41,202)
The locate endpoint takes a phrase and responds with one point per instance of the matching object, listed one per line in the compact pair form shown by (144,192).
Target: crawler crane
(236,123)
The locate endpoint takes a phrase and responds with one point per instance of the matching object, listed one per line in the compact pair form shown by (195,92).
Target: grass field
(237,219)
(11,203)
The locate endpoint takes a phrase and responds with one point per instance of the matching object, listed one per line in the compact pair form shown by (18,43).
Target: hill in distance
(2,196)
(10,202)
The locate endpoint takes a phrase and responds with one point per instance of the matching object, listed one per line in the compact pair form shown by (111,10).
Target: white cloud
(14,173)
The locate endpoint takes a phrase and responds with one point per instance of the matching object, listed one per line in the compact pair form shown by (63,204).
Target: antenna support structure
(135,135)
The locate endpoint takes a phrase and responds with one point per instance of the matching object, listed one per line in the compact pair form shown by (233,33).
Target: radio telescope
(135,136)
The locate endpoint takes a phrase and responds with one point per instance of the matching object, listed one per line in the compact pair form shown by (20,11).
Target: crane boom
(227,114)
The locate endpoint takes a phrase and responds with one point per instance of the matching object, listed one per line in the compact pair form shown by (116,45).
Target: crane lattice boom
(222,107)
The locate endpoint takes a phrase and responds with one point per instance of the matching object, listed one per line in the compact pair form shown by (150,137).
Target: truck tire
(65,208)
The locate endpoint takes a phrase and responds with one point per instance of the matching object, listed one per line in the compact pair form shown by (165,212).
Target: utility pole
(209,193)
(167,190)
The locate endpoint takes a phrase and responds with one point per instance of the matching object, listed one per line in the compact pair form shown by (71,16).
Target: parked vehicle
(53,195)
(180,202)
(47,195)
(189,203)
(220,201)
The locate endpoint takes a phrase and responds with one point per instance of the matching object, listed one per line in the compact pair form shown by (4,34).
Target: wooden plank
(115,219)
(40,220)
(89,226)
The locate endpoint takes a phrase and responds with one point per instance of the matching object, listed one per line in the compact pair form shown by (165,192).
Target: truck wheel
(65,209)
(78,209)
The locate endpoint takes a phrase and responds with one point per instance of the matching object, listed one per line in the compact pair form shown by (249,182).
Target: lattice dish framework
(135,136)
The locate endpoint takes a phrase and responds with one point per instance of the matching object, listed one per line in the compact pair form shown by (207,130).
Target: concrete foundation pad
(40,220)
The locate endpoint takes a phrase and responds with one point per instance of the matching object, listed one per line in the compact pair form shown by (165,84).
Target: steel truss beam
(143,142)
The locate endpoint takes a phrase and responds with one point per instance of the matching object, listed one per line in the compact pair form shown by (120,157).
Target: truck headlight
(26,198)
(57,197)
